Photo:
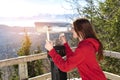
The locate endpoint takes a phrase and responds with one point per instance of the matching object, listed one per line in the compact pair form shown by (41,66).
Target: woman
(84,56)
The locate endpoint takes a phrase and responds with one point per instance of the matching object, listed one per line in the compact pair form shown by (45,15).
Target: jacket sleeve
(70,62)
(68,50)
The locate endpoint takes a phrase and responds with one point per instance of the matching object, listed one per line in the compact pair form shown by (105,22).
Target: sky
(14,12)
(17,8)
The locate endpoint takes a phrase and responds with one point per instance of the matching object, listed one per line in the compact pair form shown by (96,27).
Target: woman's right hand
(62,38)
(49,45)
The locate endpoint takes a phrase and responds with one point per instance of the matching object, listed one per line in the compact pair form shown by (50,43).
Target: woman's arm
(71,62)
(68,50)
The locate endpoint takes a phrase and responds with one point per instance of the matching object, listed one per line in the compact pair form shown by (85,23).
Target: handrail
(22,63)
(22,59)
(28,58)
(46,76)
(111,76)
(112,54)
(25,59)
(108,53)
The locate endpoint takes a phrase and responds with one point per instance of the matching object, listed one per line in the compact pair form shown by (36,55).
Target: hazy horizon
(26,12)
(29,21)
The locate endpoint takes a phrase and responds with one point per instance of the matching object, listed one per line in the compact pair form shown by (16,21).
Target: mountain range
(11,39)
(24,21)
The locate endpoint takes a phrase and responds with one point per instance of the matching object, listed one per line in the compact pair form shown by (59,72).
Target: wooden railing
(22,62)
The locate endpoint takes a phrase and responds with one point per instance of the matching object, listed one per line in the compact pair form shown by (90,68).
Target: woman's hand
(49,45)
(62,38)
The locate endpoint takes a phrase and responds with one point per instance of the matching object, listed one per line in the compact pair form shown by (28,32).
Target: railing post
(23,71)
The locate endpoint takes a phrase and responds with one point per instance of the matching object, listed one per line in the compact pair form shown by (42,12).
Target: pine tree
(25,49)
(110,9)
(34,67)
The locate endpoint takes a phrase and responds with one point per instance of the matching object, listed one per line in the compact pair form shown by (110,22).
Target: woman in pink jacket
(84,56)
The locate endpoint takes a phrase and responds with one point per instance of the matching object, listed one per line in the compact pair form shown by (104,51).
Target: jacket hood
(94,42)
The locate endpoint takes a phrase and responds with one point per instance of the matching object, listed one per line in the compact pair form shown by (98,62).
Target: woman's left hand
(49,45)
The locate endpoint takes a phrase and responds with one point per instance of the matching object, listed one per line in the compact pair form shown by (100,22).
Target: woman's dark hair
(84,27)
